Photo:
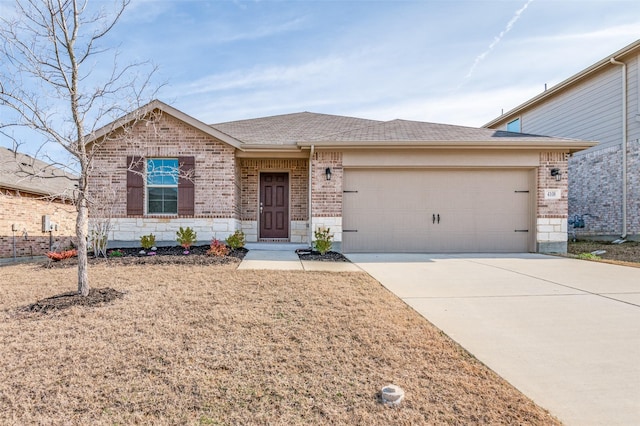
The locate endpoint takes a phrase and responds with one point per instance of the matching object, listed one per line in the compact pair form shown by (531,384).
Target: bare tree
(51,80)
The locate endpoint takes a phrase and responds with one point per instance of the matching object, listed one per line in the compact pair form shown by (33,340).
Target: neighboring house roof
(23,173)
(575,79)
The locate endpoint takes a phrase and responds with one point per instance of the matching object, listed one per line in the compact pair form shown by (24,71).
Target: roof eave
(272,151)
(554,144)
(564,84)
(28,190)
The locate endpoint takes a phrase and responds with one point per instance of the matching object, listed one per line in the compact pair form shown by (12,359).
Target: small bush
(323,238)
(218,249)
(148,241)
(115,253)
(186,237)
(60,255)
(236,240)
(98,242)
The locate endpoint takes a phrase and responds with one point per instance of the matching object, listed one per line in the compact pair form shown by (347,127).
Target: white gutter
(311,152)
(624,145)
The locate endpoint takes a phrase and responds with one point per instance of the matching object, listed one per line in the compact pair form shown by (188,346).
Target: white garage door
(436,211)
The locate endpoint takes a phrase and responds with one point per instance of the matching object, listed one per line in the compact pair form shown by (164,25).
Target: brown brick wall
(298,182)
(549,209)
(215,180)
(26,211)
(327,194)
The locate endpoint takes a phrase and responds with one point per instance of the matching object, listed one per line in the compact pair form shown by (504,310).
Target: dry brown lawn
(213,345)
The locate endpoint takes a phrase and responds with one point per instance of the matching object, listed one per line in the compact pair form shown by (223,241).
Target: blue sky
(457,62)
(229,60)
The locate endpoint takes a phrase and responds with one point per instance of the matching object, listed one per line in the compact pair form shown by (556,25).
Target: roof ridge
(290,114)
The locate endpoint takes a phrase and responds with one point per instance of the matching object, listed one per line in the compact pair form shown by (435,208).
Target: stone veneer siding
(250,170)
(25,211)
(216,187)
(551,217)
(595,191)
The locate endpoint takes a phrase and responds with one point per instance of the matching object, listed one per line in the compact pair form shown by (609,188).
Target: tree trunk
(82,221)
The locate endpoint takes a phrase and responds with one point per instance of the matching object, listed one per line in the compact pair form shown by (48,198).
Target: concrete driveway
(565,332)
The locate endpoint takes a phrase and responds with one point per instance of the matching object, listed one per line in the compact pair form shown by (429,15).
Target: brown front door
(274,205)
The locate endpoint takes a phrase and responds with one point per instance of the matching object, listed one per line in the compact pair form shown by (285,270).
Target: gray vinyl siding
(633,76)
(590,110)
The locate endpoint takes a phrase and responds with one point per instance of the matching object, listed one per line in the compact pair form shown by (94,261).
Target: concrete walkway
(565,332)
(285,258)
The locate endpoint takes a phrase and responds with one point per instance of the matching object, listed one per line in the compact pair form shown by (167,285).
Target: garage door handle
(520,230)
(434,218)
(438,218)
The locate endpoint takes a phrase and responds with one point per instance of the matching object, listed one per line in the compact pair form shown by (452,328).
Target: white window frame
(516,121)
(150,186)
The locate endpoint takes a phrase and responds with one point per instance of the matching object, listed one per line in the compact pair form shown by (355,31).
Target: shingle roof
(288,129)
(27,174)
(417,131)
(291,129)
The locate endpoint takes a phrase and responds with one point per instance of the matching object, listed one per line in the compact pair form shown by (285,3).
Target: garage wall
(548,229)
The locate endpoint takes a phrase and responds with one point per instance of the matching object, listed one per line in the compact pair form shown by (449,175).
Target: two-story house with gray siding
(600,103)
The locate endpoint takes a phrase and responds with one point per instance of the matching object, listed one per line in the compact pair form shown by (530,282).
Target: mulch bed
(96,297)
(330,256)
(164,256)
(626,252)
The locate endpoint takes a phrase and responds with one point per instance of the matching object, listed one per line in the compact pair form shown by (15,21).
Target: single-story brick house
(29,190)
(380,186)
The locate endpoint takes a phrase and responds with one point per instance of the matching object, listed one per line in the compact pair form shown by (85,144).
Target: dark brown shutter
(185,186)
(135,186)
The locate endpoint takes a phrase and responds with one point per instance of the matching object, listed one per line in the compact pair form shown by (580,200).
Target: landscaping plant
(218,248)
(115,253)
(236,240)
(98,242)
(323,239)
(186,237)
(148,241)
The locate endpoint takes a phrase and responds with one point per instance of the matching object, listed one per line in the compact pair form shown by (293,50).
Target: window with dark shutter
(185,186)
(135,186)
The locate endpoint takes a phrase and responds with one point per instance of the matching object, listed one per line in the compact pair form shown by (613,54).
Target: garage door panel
(393,210)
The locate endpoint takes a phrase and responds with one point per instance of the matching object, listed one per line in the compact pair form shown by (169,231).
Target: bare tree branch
(49,84)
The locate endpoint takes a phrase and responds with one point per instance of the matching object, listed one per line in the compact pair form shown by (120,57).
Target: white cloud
(498,38)
(259,32)
(261,77)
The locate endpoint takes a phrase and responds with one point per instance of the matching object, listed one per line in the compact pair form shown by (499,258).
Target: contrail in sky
(496,40)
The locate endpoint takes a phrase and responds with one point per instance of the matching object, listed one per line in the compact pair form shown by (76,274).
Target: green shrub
(186,237)
(236,240)
(148,241)
(218,249)
(116,253)
(323,238)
